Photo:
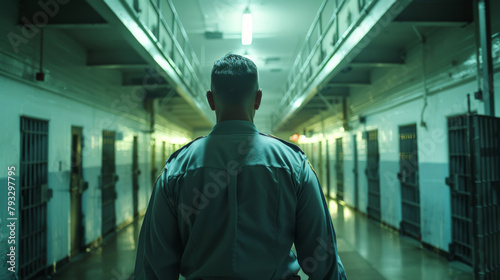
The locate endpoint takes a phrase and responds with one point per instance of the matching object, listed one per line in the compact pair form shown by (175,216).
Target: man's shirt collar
(234,127)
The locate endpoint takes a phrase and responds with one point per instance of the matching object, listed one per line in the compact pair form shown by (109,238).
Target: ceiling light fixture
(246,28)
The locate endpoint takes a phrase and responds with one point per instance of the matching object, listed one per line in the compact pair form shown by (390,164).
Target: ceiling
(280,27)
(279,30)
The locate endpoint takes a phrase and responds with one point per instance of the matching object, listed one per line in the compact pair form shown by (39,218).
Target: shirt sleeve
(159,250)
(315,238)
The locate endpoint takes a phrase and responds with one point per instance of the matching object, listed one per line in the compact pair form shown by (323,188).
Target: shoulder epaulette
(174,155)
(291,145)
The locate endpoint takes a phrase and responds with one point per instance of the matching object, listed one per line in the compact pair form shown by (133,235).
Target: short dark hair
(234,78)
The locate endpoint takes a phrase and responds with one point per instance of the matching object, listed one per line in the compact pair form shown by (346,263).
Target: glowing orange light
(294,137)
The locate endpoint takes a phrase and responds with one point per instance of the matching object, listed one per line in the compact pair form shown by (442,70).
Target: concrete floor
(114,260)
(371,251)
(367,249)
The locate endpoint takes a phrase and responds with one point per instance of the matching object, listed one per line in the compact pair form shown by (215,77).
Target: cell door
(474,150)
(355,171)
(485,194)
(372,174)
(460,190)
(34,195)
(307,150)
(320,167)
(339,167)
(163,153)
(327,168)
(76,188)
(408,177)
(314,154)
(154,170)
(135,176)
(108,180)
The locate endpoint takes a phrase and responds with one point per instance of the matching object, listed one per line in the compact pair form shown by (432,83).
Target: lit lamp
(246,28)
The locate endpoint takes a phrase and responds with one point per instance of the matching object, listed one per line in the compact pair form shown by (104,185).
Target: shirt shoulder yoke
(290,145)
(174,155)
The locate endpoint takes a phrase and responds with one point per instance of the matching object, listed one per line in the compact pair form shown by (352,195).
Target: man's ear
(258,99)
(210,99)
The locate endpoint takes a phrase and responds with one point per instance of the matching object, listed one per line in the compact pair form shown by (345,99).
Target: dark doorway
(320,168)
(108,180)
(327,167)
(135,176)
(372,175)
(355,170)
(76,189)
(339,168)
(164,153)
(33,179)
(408,177)
(154,170)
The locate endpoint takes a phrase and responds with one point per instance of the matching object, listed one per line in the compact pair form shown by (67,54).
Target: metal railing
(333,23)
(159,18)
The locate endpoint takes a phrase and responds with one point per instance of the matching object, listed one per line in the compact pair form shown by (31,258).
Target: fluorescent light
(246,28)
(297,103)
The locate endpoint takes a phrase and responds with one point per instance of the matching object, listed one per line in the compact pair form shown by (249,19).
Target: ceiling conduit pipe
(484,56)
(424,79)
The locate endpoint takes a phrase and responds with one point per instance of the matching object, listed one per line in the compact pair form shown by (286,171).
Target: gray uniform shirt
(230,206)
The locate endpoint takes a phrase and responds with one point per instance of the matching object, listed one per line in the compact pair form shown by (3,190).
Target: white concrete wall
(73,95)
(62,114)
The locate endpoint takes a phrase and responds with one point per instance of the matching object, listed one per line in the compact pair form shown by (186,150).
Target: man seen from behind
(231,205)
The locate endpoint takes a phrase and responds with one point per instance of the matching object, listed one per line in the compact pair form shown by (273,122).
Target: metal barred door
(154,169)
(314,155)
(372,174)
(163,154)
(485,145)
(76,188)
(108,180)
(474,147)
(355,171)
(460,190)
(319,167)
(327,168)
(35,194)
(135,176)
(408,177)
(339,167)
